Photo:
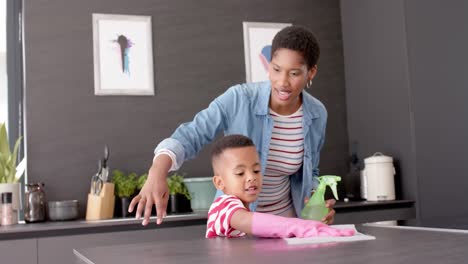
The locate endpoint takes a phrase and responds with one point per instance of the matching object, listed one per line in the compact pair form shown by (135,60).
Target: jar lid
(7,197)
(199,179)
(378,157)
(65,203)
(37,184)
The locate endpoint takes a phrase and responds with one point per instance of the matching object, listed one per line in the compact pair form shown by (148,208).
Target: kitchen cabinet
(21,251)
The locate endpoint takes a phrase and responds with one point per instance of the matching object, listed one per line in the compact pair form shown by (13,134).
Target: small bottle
(7,209)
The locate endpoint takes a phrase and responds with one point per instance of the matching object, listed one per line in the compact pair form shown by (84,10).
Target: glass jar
(35,203)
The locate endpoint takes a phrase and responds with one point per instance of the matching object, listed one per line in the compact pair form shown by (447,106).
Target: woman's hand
(154,192)
(330,217)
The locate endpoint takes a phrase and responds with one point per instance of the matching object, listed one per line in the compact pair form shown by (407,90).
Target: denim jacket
(243,109)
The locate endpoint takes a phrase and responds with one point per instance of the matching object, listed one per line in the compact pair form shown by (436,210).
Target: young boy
(237,173)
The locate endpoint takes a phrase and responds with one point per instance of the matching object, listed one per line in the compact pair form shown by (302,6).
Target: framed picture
(123,55)
(257,48)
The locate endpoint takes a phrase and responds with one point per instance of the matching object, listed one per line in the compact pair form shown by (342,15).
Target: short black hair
(300,39)
(230,141)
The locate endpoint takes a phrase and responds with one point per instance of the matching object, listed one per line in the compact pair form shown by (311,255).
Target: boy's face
(237,172)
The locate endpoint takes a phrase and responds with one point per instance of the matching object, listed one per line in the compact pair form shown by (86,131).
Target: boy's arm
(267,225)
(242,220)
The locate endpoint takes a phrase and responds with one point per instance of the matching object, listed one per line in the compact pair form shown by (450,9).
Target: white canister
(379,174)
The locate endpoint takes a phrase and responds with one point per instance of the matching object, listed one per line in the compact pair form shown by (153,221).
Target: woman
(286,124)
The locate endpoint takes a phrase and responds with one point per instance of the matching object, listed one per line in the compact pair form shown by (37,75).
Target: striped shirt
(285,157)
(219,217)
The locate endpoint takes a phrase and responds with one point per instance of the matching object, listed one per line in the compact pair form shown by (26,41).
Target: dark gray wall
(405,65)
(198,54)
(377,85)
(438,60)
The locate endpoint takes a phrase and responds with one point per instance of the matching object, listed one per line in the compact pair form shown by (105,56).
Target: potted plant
(10,171)
(179,196)
(141,181)
(125,187)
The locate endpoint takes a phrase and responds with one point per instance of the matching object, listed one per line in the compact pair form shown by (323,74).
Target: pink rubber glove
(267,225)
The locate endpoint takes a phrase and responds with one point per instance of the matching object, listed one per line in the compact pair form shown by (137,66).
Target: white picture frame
(123,55)
(257,37)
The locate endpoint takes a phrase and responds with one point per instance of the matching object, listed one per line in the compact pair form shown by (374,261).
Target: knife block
(101,206)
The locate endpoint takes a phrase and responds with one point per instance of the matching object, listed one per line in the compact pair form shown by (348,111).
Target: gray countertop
(392,245)
(350,212)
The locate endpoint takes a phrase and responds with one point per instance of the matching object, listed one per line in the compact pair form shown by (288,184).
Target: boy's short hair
(230,141)
(300,39)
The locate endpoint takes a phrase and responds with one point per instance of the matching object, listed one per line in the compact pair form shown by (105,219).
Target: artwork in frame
(123,55)
(258,37)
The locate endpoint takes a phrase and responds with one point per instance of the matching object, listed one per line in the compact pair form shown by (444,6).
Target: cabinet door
(55,250)
(21,251)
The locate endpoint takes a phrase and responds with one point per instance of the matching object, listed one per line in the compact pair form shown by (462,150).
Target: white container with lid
(379,174)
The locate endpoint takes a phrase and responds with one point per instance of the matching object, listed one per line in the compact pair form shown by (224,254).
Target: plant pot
(121,207)
(202,192)
(14,188)
(178,203)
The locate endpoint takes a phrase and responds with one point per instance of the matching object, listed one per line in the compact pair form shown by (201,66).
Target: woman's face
(289,75)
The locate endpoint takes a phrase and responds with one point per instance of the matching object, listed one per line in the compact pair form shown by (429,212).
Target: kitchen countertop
(64,228)
(392,245)
(350,212)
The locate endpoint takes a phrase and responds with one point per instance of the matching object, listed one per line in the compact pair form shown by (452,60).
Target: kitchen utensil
(63,210)
(104,163)
(35,203)
(96,184)
(96,181)
(378,178)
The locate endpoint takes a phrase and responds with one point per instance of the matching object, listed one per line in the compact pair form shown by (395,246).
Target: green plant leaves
(141,181)
(4,145)
(177,186)
(126,185)
(8,169)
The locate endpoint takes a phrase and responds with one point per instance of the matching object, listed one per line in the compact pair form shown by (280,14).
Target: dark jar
(35,203)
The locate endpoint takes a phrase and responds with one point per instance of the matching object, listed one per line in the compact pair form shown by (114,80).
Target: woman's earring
(309,83)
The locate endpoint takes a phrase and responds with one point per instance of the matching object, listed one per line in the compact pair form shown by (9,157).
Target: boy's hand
(267,225)
(330,217)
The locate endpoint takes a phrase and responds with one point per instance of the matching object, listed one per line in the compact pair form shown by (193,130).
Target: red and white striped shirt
(219,217)
(285,157)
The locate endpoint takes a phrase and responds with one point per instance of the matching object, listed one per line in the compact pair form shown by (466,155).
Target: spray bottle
(315,208)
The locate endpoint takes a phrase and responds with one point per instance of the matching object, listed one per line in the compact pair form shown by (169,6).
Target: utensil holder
(101,206)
